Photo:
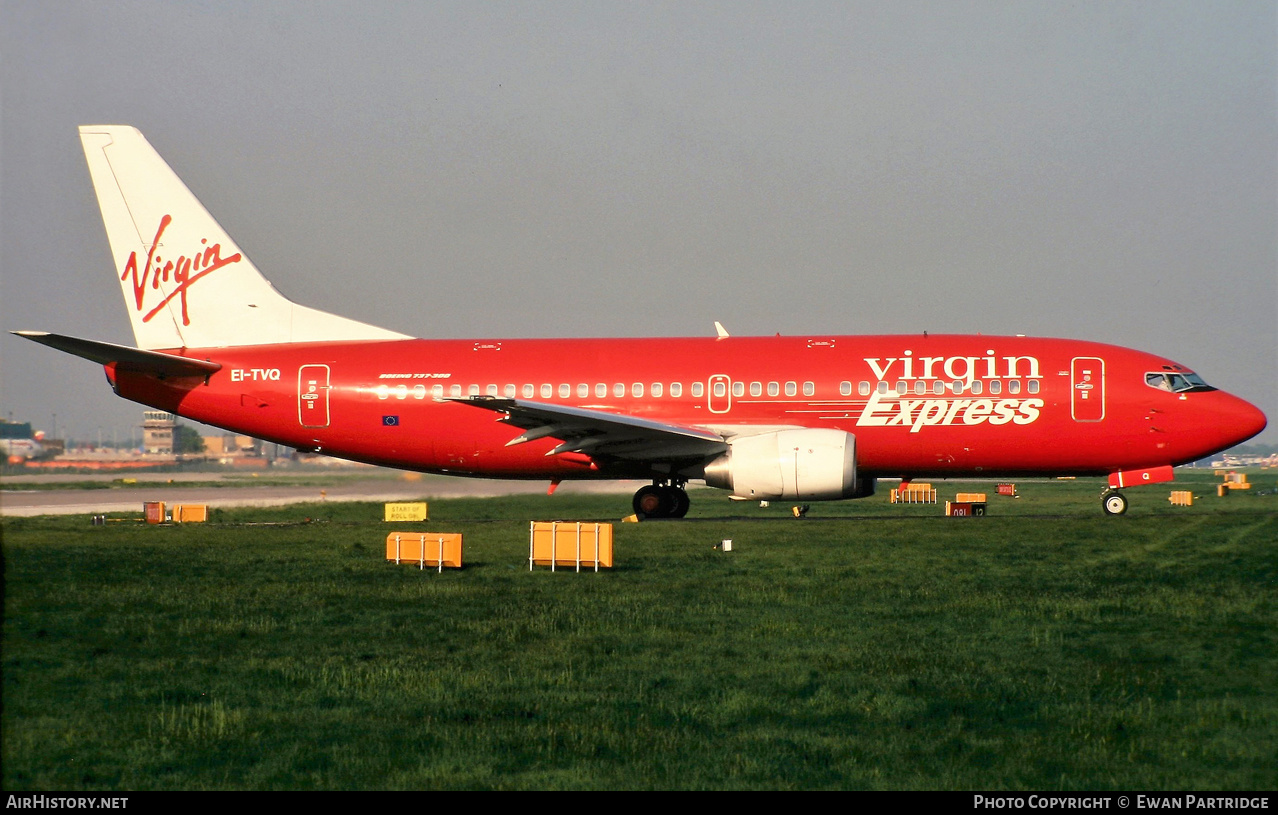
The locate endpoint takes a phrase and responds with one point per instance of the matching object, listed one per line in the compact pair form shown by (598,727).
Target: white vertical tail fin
(185,282)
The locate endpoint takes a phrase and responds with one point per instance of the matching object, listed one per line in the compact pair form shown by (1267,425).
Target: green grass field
(867,646)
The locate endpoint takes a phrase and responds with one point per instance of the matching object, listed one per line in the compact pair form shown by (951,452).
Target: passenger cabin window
(883,387)
(977,386)
(437,391)
(1014,386)
(809,388)
(565,391)
(996,386)
(845,389)
(1032,386)
(472,390)
(619,389)
(601,391)
(583,391)
(529,390)
(676,390)
(902,387)
(636,390)
(920,387)
(938,387)
(697,390)
(738,389)
(957,386)
(791,389)
(454,390)
(863,388)
(492,390)
(510,391)
(656,390)
(547,391)
(756,388)
(773,389)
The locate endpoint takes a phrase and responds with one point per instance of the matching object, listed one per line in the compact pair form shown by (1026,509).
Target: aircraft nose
(1220,421)
(1243,420)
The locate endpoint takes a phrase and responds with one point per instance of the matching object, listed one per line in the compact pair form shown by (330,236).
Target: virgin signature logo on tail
(184,272)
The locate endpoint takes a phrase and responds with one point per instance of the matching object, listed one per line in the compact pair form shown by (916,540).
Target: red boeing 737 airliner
(805,418)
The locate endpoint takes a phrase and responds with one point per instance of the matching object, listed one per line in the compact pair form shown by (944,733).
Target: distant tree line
(187,440)
(1253,450)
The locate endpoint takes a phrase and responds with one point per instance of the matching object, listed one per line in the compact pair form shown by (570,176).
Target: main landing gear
(1113,502)
(661,501)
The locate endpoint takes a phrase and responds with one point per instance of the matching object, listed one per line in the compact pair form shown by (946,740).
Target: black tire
(1114,503)
(652,502)
(679,502)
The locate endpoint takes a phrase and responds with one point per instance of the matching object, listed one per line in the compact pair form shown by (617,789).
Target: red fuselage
(918,406)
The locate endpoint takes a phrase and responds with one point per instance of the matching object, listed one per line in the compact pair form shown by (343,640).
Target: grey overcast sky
(1098,170)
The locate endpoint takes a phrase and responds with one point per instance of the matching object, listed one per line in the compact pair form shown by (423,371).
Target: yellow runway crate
(1234,481)
(190,513)
(437,549)
(913,493)
(569,543)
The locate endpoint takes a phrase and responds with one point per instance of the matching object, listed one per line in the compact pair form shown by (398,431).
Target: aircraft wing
(598,433)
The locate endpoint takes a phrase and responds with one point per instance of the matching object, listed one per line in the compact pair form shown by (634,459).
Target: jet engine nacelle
(815,465)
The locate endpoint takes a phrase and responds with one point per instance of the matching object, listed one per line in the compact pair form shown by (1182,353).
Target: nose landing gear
(661,501)
(1113,502)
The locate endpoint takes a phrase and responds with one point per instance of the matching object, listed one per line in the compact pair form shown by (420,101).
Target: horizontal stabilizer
(123,357)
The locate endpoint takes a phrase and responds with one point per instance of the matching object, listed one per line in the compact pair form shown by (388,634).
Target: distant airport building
(230,445)
(158,429)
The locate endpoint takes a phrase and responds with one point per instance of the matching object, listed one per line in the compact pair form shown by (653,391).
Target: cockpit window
(1184,382)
